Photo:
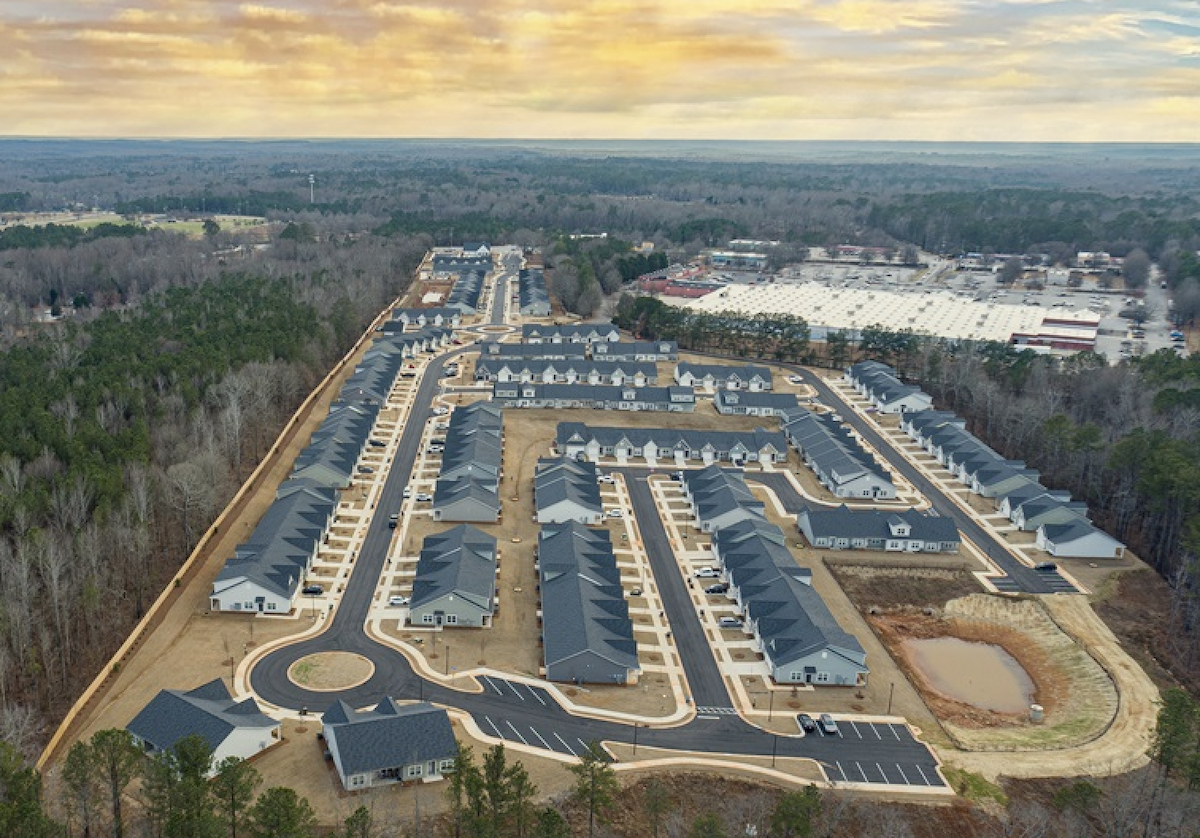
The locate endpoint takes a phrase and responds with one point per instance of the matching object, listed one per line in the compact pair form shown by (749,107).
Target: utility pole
(312,195)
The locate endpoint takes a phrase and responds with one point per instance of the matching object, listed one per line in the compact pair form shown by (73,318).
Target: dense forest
(168,363)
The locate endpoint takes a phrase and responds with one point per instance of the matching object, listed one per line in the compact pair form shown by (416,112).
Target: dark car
(376,443)
(807,723)
(1045,566)
(720,588)
(312,590)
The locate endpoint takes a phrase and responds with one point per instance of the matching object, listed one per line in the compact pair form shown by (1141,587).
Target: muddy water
(979,674)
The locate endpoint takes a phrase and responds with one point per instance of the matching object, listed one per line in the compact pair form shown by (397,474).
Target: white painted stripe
(535,694)
(841,770)
(565,745)
(860,771)
(892,728)
(514,730)
(516,692)
(881,774)
(539,736)
(857,732)
(492,684)
(923,777)
(493,724)
(902,774)
(876,732)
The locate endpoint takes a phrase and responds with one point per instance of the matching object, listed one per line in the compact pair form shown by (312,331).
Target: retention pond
(980,674)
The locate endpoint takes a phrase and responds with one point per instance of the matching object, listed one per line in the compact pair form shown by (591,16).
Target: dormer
(898,527)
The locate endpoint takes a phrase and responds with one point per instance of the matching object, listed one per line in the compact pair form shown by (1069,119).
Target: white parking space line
(856,765)
(514,730)
(923,777)
(493,724)
(902,774)
(857,732)
(540,737)
(492,684)
(876,732)
(892,728)
(517,693)
(881,774)
(535,694)
(565,745)
(581,742)
(841,771)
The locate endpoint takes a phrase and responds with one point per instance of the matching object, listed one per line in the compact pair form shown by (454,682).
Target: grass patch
(974,787)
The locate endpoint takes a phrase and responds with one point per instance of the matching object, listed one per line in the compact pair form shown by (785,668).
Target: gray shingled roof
(583,604)
(472,458)
(717,494)
(843,522)
(832,449)
(572,332)
(208,711)
(283,541)
(779,402)
(390,736)
(566,479)
(670,439)
(723,372)
(460,561)
(597,396)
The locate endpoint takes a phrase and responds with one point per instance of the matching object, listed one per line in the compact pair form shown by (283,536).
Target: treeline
(1019,220)
(583,271)
(21,236)
(779,337)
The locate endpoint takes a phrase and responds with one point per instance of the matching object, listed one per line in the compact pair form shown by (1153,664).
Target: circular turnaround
(331,671)
(491,329)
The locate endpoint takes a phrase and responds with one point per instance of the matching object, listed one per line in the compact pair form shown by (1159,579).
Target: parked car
(436,449)
(615,513)
(807,723)
(312,590)
(440,411)
(1045,566)
(606,478)
(795,379)
(730,622)
(424,497)
(376,443)
(719,588)
(397,600)
(408,491)
(707,573)
(828,725)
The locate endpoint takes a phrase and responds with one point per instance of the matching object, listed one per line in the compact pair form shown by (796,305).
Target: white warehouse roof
(930,312)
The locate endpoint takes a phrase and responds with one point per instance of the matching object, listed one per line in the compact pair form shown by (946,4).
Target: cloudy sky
(1027,70)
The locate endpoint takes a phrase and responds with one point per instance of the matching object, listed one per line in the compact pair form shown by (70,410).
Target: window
(796,676)
(822,677)
(451,619)
(427,618)
(412,771)
(446,765)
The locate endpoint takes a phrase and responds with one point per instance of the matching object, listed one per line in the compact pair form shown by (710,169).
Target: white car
(708,573)
(408,491)
(795,379)
(397,600)
(424,496)
(605,478)
(440,411)
(615,513)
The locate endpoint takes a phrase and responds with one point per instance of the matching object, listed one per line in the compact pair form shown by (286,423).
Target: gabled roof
(389,736)
(843,522)
(832,450)
(565,479)
(748,398)
(208,711)
(460,561)
(723,372)
(716,493)
(1073,531)
(671,439)
(583,604)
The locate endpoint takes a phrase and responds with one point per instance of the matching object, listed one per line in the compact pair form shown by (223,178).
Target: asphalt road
(704,679)
(862,752)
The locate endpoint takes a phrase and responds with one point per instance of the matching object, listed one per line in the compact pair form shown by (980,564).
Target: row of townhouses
(902,530)
(533,298)
(886,392)
(580,371)
(596,397)
(677,446)
(1061,525)
(835,456)
(468,485)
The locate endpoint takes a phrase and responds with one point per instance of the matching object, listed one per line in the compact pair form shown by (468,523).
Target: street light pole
(635,730)
(891,693)
(774,748)
(447,648)
(770,704)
